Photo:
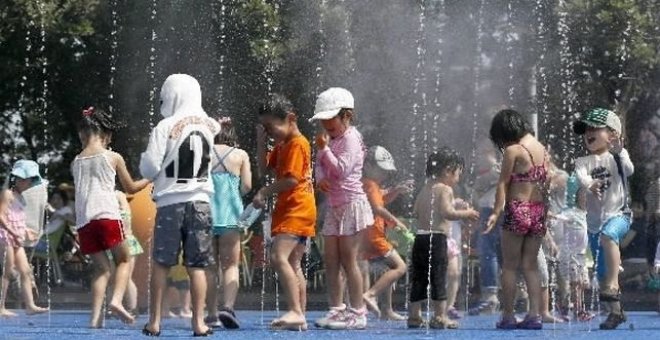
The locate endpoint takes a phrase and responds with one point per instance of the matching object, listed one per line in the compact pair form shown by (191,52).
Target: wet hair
(277,106)
(508,126)
(96,121)
(227,135)
(441,160)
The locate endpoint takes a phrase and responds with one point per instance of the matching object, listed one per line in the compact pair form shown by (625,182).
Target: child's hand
(553,250)
(472,215)
(406,186)
(616,144)
(460,204)
(596,188)
(324,185)
(490,224)
(259,200)
(322,140)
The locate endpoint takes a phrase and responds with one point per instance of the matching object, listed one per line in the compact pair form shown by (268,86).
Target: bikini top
(536,173)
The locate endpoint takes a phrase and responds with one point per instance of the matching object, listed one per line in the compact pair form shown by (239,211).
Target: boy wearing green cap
(604,174)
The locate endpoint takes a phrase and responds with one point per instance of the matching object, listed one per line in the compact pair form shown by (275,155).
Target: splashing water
(568,81)
(151,70)
(113,54)
(221,59)
(509,37)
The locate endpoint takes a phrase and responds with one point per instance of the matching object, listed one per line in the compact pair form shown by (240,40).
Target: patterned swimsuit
(527,218)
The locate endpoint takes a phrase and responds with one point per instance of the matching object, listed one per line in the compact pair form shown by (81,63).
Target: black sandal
(228,319)
(148,332)
(207,333)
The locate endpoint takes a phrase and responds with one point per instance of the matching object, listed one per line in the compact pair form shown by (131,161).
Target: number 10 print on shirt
(193,159)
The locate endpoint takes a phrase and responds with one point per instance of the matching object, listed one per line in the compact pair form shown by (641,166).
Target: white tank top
(94,178)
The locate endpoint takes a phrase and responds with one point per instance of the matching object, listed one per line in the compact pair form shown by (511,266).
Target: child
(604,174)
(98,219)
(454,261)
(522,185)
(340,158)
(134,249)
(232,179)
(294,216)
(378,167)
(178,159)
(572,240)
(24,175)
(434,207)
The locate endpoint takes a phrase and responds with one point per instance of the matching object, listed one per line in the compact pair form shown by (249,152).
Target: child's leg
(212,280)
(186,301)
(453,281)
(388,312)
(612,262)
(121,254)
(157,287)
(512,247)
(99,285)
(348,251)
(385,281)
(7,253)
(24,269)
(131,289)
(230,252)
(366,277)
(531,248)
(197,298)
(281,258)
(295,261)
(331,261)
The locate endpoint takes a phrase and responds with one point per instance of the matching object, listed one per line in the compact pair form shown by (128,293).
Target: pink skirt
(348,219)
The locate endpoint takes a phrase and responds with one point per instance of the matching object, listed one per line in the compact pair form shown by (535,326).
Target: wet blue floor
(71,324)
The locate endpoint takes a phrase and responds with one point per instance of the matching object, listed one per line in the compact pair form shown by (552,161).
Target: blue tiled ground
(72,324)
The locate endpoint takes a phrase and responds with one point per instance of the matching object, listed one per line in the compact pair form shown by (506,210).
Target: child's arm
(246,175)
(626,164)
(381,211)
(447,210)
(402,188)
(280,185)
(152,158)
(508,161)
(338,166)
(127,182)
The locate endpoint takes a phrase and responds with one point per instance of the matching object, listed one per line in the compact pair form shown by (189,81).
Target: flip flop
(229,319)
(148,332)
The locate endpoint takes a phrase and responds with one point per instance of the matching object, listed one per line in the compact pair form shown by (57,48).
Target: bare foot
(186,314)
(122,313)
(392,316)
(290,321)
(35,310)
(96,324)
(5,313)
(371,303)
(549,318)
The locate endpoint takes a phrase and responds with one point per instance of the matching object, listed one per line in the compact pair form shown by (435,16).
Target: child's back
(427,208)
(94,178)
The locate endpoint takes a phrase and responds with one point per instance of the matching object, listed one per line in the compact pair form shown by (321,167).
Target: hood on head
(180,93)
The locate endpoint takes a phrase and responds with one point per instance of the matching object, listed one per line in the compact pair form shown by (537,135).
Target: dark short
(425,266)
(184,226)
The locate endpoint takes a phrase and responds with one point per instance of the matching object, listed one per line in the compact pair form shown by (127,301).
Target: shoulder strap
(624,180)
(221,159)
(529,153)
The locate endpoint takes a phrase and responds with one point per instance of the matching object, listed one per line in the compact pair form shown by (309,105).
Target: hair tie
(88,112)
(224,120)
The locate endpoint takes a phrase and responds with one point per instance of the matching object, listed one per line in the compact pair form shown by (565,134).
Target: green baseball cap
(597,118)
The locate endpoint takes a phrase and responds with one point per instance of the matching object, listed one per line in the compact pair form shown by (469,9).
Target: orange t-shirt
(376,237)
(295,210)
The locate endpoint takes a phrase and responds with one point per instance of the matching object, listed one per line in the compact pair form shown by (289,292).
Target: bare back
(428,208)
(234,161)
(528,156)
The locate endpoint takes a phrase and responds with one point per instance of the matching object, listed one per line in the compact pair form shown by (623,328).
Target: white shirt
(94,179)
(603,167)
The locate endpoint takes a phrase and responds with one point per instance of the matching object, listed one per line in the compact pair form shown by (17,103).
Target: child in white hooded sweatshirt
(178,160)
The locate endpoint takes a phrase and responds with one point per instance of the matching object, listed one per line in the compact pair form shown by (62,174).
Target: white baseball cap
(330,102)
(381,157)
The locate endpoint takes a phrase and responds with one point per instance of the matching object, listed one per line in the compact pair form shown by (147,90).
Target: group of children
(199,176)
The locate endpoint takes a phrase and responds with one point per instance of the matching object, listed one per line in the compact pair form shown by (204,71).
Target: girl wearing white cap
(24,175)
(340,159)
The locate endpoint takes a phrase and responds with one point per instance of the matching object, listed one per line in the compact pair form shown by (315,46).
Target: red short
(100,235)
